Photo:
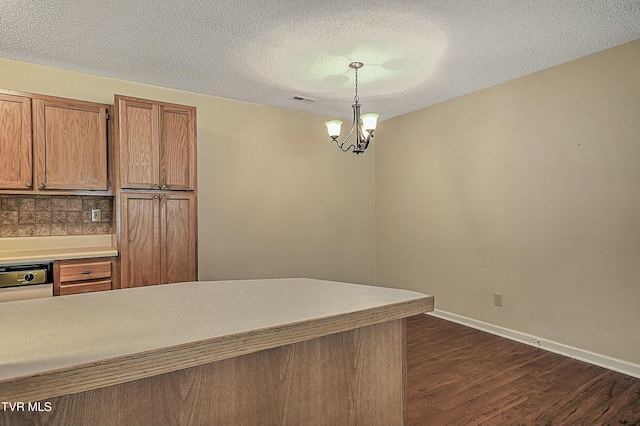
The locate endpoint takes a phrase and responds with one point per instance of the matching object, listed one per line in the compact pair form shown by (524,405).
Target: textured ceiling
(416,52)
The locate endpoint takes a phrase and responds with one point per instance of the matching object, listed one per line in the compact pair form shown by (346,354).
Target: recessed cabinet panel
(138,132)
(71,144)
(177,150)
(140,240)
(178,234)
(16,155)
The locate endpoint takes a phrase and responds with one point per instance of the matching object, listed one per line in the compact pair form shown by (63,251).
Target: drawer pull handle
(86,272)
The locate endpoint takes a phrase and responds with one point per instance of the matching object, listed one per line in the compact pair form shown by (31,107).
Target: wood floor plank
(628,416)
(486,415)
(484,388)
(564,410)
(481,406)
(610,398)
(457,375)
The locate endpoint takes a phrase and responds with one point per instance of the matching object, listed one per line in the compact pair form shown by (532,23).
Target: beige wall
(275,198)
(531,189)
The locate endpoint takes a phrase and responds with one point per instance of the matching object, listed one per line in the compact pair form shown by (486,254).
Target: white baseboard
(620,366)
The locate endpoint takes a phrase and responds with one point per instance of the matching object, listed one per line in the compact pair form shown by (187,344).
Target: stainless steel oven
(26,281)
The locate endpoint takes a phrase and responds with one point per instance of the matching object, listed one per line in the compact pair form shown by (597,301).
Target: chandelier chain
(356,99)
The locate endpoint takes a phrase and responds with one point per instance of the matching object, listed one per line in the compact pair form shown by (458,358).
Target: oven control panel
(12,276)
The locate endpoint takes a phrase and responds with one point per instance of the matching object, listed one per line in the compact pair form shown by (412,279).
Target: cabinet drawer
(85,287)
(85,271)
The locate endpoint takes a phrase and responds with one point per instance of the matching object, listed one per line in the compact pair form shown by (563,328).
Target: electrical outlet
(497,299)
(96,215)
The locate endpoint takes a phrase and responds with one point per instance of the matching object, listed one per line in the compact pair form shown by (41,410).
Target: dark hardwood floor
(461,376)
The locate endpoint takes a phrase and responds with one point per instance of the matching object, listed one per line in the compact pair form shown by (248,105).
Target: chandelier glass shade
(363,124)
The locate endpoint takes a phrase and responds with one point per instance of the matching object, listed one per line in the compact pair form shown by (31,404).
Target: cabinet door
(139,240)
(177,147)
(71,144)
(16,159)
(138,143)
(178,249)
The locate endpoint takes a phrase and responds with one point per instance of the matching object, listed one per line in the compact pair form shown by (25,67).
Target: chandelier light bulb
(333,128)
(369,121)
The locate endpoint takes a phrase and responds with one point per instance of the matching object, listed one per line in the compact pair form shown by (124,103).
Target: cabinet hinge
(107,115)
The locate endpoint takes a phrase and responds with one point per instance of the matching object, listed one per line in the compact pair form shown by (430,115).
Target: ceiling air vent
(299,98)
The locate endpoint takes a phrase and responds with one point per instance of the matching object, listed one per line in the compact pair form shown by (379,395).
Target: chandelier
(363,125)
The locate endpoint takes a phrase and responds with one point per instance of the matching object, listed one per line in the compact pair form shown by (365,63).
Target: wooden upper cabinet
(177,147)
(157,145)
(70,141)
(139,143)
(16,155)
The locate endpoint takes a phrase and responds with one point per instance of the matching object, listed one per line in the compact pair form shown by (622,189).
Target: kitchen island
(277,351)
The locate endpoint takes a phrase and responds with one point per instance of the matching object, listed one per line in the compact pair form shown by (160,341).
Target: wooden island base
(345,378)
(286,351)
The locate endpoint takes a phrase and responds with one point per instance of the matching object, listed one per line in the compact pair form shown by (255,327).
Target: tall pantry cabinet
(156,192)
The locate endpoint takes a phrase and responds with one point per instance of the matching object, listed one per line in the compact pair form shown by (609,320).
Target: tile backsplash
(41,215)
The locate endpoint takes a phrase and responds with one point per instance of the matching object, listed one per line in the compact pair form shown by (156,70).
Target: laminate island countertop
(86,343)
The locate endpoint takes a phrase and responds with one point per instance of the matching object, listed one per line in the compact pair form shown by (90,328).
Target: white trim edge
(614,364)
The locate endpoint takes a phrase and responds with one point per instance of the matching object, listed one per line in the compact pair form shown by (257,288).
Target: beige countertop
(31,249)
(207,320)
